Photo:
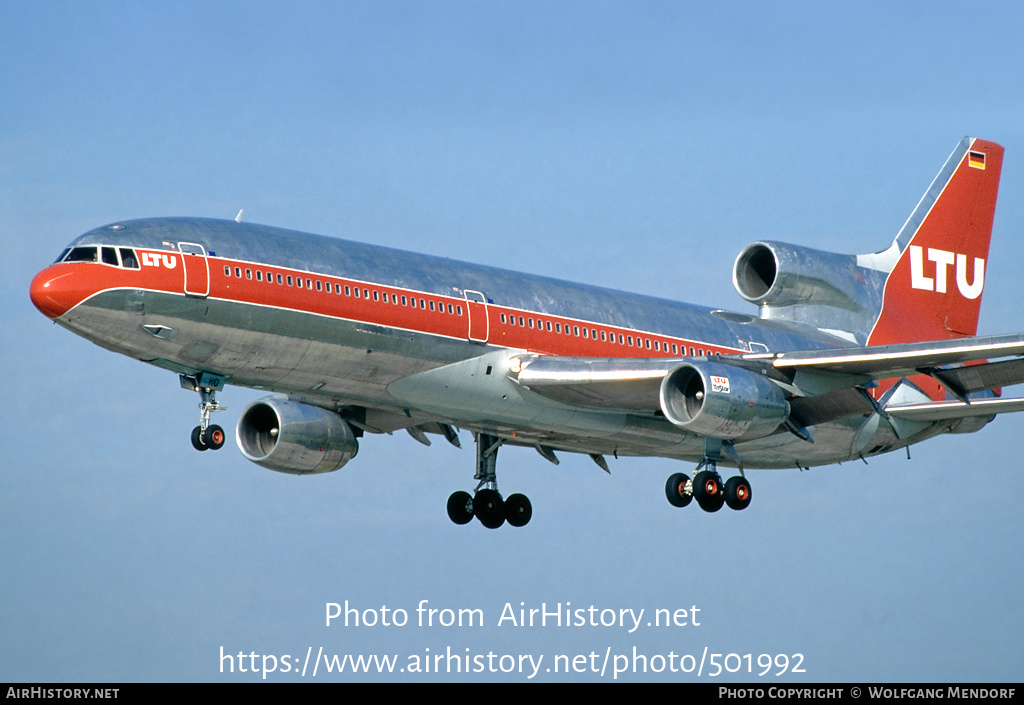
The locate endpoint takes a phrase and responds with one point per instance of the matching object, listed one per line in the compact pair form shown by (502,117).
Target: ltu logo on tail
(943,260)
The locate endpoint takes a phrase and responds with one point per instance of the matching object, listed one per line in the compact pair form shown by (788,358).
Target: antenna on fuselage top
(238,218)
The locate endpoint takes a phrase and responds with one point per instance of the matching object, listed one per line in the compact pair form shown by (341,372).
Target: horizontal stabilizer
(948,410)
(898,360)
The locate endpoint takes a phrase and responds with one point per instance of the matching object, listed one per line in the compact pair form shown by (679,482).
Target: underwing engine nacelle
(721,401)
(295,438)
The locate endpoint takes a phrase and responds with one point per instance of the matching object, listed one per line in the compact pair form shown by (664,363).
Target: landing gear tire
(213,437)
(460,507)
(205,436)
(197,438)
(708,491)
(678,491)
(518,510)
(737,492)
(489,509)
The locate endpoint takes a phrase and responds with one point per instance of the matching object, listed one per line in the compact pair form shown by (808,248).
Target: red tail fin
(934,290)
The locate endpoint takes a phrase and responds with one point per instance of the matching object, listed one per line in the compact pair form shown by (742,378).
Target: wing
(821,385)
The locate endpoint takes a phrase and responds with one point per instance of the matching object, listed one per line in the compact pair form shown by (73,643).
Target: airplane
(848,357)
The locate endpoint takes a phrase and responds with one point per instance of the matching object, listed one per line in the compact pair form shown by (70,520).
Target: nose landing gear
(206,436)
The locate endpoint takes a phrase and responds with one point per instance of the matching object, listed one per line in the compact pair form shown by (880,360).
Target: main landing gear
(206,436)
(707,488)
(486,504)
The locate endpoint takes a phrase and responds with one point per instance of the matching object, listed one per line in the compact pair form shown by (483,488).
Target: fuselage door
(197,269)
(476,307)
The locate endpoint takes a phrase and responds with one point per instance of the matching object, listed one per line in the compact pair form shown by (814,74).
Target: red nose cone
(49,295)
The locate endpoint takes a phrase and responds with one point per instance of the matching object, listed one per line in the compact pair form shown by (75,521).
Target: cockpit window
(81,254)
(128,258)
(105,254)
(62,255)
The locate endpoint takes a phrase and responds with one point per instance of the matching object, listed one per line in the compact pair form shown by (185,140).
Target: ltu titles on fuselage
(564,615)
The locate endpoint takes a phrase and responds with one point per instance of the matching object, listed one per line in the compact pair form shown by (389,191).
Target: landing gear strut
(206,436)
(486,504)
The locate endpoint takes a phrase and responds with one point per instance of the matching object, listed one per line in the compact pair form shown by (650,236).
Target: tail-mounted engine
(721,401)
(295,438)
(827,290)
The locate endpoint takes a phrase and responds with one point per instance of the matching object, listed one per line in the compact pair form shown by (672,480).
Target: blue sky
(633,145)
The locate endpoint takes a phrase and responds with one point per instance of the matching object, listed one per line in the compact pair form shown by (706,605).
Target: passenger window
(248,274)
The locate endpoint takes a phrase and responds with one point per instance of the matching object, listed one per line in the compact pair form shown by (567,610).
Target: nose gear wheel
(206,436)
